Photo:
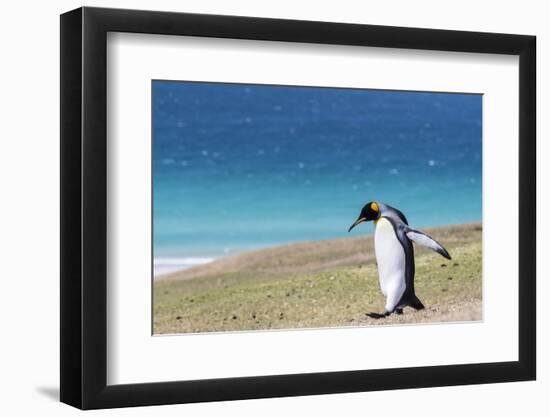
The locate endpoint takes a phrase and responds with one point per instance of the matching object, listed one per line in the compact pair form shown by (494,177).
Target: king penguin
(395,255)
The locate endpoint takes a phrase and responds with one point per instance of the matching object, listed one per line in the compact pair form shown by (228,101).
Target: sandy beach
(318,284)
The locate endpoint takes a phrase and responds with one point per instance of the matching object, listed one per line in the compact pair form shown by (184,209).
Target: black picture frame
(84,207)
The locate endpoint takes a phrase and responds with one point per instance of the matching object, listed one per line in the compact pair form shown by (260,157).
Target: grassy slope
(318,284)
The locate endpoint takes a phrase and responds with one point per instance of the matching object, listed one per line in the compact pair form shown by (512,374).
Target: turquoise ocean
(238,167)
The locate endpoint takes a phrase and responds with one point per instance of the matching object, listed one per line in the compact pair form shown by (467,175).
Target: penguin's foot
(399,311)
(377,315)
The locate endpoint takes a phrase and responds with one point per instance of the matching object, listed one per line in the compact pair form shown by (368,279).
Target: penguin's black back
(392,212)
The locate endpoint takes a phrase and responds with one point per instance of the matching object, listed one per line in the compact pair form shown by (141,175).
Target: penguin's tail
(416,303)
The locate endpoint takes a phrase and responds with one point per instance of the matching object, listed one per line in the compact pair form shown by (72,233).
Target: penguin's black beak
(359,220)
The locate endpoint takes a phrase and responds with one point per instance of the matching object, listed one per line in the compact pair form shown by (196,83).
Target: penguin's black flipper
(416,303)
(423,239)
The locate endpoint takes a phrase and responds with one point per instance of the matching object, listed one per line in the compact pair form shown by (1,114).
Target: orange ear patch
(374,206)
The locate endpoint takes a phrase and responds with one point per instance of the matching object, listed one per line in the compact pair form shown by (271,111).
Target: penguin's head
(370,211)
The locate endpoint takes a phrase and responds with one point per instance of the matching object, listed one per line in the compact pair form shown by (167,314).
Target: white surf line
(164,266)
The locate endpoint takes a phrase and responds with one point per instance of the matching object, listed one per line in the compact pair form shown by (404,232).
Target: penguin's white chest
(390,257)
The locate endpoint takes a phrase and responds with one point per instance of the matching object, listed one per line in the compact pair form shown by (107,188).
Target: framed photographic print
(258,207)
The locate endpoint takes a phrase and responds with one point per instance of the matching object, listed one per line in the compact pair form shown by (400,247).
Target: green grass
(256,292)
